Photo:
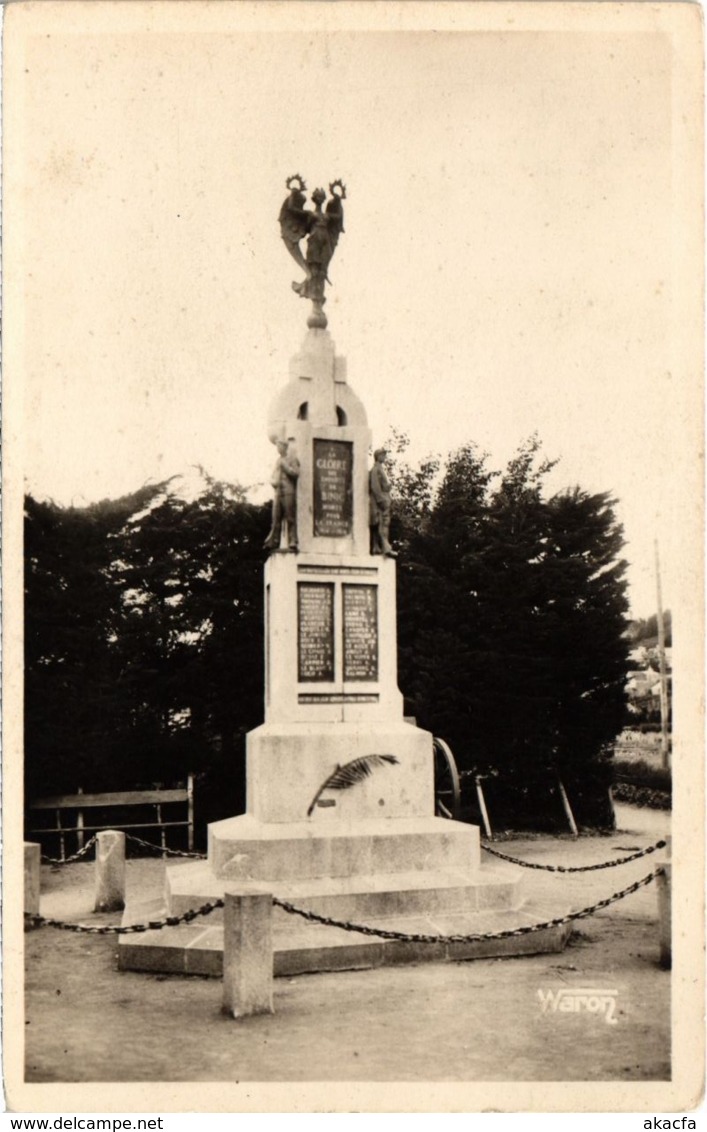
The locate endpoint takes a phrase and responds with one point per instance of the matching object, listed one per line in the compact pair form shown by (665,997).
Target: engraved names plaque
(315,637)
(333,488)
(360,632)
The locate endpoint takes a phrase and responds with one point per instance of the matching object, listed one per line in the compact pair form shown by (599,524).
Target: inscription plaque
(339,698)
(360,632)
(315,637)
(333,488)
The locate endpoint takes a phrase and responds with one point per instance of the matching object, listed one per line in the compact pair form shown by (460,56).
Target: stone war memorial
(340,814)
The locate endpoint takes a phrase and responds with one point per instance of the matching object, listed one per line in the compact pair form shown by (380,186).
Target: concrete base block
(110,871)
(415,875)
(423,900)
(360,897)
(300,947)
(247,953)
(245,848)
(288,763)
(664,915)
(33,857)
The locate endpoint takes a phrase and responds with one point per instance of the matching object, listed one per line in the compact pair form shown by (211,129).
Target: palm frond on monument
(349,774)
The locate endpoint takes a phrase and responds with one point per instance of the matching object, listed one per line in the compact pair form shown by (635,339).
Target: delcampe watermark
(575,1000)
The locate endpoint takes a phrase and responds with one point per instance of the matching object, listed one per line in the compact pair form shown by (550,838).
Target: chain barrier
(526,929)
(128,929)
(575,868)
(494,852)
(164,848)
(69,860)
(129,837)
(347,925)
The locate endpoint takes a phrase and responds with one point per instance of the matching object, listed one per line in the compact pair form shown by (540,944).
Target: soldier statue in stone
(284,504)
(322,229)
(379,499)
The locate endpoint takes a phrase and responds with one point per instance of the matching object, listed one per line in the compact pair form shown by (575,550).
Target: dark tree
(144,638)
(190,579)
(144,641)
(511,631)
(74,712)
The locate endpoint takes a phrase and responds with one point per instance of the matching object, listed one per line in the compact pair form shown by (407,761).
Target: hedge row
(641,796)
(640,772)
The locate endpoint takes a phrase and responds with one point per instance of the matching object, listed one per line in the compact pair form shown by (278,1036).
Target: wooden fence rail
(80,806)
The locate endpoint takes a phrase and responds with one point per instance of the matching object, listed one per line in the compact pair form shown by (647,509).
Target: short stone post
(110,871)
(33,854)
(247,952)
(664,912)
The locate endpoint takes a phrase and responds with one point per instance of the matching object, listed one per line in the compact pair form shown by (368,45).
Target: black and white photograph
(353,557)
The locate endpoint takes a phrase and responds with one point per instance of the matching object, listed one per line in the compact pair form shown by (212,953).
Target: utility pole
(664,738)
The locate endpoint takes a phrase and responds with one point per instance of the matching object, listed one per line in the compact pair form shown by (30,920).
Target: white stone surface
(374,851)
(376,846)
(289,700)
(664,914)
(360,896)
(33,854)
(247,953)
(313,405)
(318,378)
(243,847)
(287,763)
(110,871)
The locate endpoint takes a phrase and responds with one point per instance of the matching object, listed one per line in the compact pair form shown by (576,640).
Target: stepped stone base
(300,947)
(246,848)
(418,876)
(395,894)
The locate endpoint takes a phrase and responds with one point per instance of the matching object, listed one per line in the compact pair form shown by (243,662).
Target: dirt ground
(476,1021)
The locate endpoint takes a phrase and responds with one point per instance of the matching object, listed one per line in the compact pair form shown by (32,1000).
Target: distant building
(639,682)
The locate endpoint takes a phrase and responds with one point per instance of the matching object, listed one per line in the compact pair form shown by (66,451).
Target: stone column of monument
(374,852)
(331,692)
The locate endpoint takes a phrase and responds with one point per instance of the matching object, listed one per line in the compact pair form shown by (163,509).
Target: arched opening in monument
(341,418)
(303,411)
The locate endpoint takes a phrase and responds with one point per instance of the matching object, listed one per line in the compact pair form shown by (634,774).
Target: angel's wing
(335,220)
(295,222)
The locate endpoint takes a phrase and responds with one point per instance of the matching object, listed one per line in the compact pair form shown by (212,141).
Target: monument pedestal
(330,640)
(287,763)
(414,876)
(373,853)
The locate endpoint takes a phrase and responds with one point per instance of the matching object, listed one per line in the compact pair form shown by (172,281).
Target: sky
(516,226)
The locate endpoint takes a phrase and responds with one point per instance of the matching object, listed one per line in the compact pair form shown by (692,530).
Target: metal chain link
(474,936)
(128,929)
(495,852)
(68,860)
(346,925)
(129,837)
(575,868)
(164,848)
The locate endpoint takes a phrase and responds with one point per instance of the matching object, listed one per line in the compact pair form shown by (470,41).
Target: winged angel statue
(322,229)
